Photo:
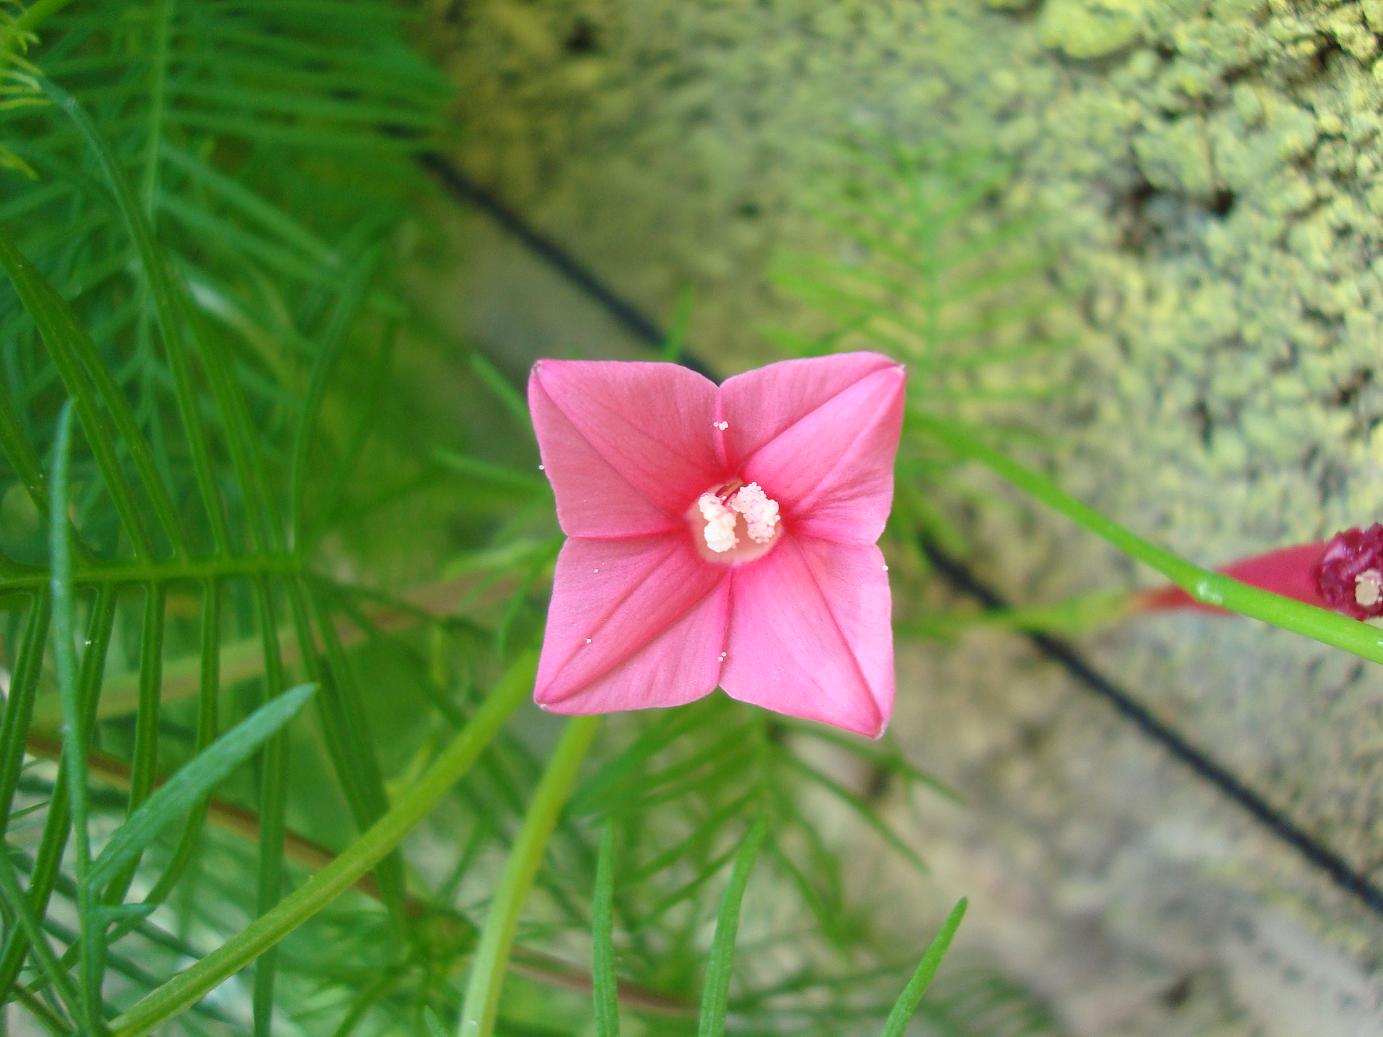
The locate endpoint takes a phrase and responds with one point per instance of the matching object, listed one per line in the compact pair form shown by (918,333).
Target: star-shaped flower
(721,536)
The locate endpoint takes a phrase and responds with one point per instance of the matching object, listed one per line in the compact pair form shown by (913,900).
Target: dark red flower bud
(1349,574)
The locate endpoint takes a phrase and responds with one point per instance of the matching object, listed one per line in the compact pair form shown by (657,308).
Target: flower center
(736,522)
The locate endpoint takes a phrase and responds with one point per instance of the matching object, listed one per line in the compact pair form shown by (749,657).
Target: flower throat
(736,522)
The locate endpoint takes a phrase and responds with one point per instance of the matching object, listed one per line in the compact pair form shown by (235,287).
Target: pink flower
(1344,573)
(721,536)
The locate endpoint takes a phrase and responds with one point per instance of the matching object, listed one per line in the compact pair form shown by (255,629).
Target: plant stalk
(1202,584)
(189,986)
(481,1005)
(303,851)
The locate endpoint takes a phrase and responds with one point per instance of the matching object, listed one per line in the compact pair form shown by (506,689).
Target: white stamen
(720,523)
(885,567)
(759,510)
(760,513)
(1368,588)
(588,640)
(722,656)
(540,468)
(595,570)
(722,425)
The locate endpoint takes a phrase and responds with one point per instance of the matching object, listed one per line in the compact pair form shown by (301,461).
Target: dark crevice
(1059,652)
(1136,230)
(1348,392)
(1142,213)
(1325,54)
(584,37)
(1202,420)
(1179,992)
(1222,202)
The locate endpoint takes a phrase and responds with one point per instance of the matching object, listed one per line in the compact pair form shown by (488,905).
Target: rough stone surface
(1091,28)
(1214,170)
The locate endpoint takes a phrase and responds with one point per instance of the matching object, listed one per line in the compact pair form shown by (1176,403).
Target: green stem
(1202,584)
(74,729)
(188,987)
(157,97)
(156,571)
(715,998)
(604,985)
(492,953)
(906,1005)
(39,1009)
(23,911)
(34,15)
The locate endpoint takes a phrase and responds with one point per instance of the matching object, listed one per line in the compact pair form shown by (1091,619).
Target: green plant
(268,458)
(932,261)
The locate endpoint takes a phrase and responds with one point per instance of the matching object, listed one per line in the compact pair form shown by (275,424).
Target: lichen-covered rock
(1174,156)
(1091,28)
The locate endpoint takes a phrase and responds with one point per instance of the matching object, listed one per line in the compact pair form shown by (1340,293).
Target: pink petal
(810,634)
(628,447)
(820,436)
(654,613)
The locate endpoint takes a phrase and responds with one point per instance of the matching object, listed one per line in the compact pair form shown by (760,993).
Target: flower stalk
(1200,585)
(481,1006)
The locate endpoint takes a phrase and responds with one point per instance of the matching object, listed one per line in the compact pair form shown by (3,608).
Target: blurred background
(1137,244)
(1208,179)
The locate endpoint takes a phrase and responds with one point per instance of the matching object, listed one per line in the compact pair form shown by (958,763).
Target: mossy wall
(1214,174)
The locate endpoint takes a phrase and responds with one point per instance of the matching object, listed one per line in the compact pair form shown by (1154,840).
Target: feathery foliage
(228,471)
(211,196)
(934,262)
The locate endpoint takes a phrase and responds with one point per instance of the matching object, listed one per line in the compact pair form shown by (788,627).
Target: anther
(720,523)
(736,522)
(1368,588)
(760,514)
